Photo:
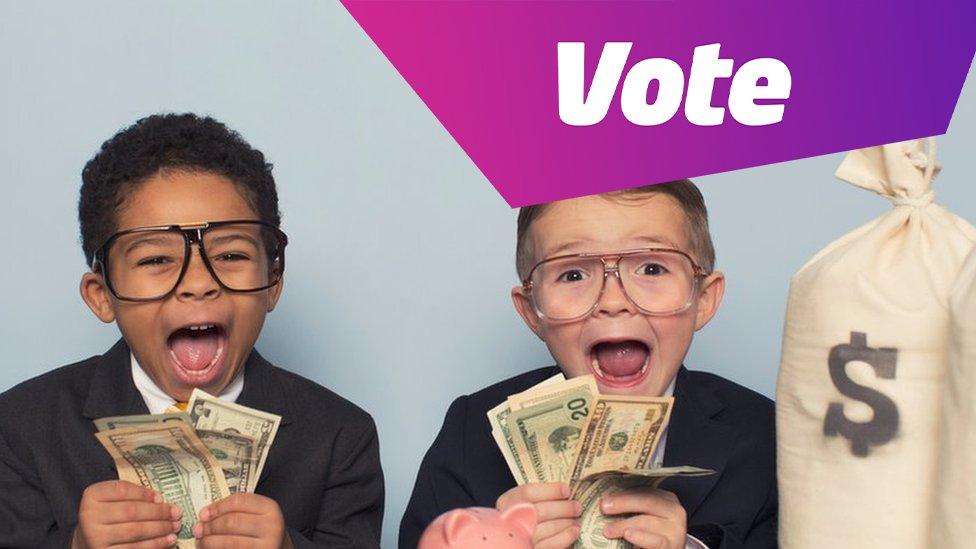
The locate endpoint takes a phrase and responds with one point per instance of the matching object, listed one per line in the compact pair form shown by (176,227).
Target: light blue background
(401,258)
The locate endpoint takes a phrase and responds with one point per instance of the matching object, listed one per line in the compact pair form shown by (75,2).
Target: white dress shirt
(157,400)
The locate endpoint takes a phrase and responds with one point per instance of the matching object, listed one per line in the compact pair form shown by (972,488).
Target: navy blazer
(715,424)
(323,469)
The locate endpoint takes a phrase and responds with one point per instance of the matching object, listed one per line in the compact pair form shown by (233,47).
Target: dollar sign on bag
(884,424)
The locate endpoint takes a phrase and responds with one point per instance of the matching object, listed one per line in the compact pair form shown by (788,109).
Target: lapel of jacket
(112,391)
(696,438)
(263,391)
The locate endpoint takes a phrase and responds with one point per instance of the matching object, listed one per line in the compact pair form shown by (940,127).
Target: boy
(179,222)
(616,285)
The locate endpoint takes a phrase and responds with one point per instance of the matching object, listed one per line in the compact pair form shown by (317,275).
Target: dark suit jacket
(715,424)
(323,468)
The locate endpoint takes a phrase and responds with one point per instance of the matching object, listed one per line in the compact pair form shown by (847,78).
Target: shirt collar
(158,401)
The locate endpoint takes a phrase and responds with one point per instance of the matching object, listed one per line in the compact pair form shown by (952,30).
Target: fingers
(646,523)
(561,540)
(134,532)
(241,520)
(156,543)
(533,493)
(224,541)
(120,490)
(647,540)
(237,524)
(644,502)
(659,519)
(560,509)
(122,512)
(550,528)
(238,503)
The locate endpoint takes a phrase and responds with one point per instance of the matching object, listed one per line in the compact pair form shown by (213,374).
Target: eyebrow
(223,239)
(564,247)
(574,246)
(146,241)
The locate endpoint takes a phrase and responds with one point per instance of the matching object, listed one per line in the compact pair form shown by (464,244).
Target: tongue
(621,359)
(195,349)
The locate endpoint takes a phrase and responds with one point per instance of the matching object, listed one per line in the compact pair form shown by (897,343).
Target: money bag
(865,346)
(955,495)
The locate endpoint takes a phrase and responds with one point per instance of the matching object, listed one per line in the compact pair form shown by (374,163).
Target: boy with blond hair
(616,285)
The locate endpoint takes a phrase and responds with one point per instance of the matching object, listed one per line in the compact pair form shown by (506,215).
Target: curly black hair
(161,142)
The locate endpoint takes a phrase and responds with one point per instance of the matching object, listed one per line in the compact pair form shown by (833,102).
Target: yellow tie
(181,406)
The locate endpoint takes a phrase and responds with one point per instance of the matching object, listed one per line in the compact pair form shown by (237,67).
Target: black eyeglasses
(148,263)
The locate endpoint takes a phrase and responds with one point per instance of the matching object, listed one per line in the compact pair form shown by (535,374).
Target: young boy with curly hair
(180,227)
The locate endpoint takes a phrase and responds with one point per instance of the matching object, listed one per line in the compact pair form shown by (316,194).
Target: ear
(274,294)
(710,297)
(97,296)
(523,306)
(522,515)
(458,522)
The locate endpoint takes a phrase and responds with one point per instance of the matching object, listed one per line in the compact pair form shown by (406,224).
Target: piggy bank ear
(459,522)
(522,516)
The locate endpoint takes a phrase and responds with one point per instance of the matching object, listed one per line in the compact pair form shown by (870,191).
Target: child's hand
(557,527)
(116,512)
(242,520)
(660,520)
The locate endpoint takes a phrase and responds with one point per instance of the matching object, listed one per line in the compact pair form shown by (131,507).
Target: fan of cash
(195,458)
(566,431)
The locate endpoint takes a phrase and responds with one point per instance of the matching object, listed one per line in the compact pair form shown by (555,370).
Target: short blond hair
(683,191)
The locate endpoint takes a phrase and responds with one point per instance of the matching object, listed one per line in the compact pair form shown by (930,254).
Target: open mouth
(620,363)
(197,351)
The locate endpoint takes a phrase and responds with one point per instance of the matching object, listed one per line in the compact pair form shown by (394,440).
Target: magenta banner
(559,99)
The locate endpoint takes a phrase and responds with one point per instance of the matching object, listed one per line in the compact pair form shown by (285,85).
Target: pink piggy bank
(481,528)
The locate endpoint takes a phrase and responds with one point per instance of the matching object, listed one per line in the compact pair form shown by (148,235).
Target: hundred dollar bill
(547,434)
(209,413)
(500,431)
(621,434)
(124,422)
(236,456)
(591,489)
(170,459)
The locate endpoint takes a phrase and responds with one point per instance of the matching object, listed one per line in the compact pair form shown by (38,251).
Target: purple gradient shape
(863,73)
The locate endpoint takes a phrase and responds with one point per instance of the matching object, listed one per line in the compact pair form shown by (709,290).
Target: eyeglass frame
(192,234)
(698,272)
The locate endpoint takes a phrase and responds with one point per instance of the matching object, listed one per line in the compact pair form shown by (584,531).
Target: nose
(197,282)
(613,300)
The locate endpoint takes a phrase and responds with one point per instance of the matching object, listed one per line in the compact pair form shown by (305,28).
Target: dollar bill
(500,431)
(621,434)
(236,455)
(590,490)
(547,434)
(209,413)
(124,422)
(548,391)
(170,459)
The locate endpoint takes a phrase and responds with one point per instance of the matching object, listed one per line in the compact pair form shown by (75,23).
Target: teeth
(596,367)
(201,327)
